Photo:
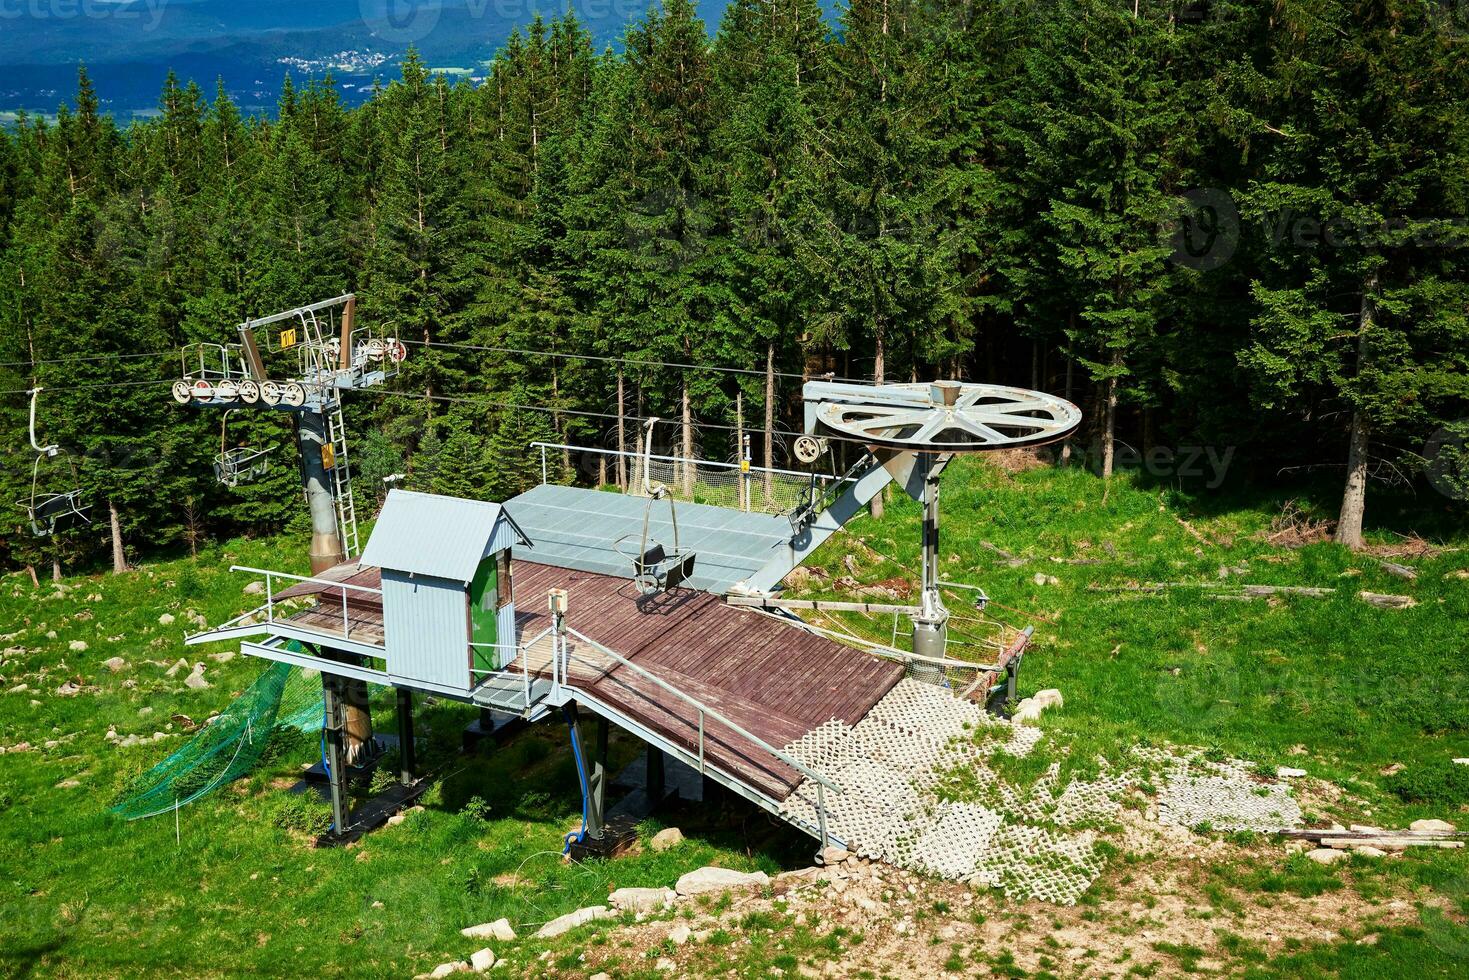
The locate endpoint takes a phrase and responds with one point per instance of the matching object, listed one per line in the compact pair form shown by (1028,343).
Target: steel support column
(407,756)
(336,758)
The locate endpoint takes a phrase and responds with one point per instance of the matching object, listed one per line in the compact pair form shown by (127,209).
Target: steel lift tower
(301,361)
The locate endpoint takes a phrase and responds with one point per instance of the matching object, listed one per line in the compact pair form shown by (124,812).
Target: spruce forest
(1209,223)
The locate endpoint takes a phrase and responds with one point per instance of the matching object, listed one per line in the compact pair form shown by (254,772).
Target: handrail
(270,592)
(703,710)
(522,654)
(678,459)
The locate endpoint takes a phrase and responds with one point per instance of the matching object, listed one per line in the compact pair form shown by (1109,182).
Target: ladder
(342,482)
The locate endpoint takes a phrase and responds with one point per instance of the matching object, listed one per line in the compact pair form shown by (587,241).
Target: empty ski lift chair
(52,513)
(240,464)
(656,568)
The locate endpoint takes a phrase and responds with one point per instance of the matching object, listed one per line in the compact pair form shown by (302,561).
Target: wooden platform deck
(775,680)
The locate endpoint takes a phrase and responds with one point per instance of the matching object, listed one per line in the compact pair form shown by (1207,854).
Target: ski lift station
(662,618)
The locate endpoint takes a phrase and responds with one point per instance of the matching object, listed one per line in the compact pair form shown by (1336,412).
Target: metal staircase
(342,481)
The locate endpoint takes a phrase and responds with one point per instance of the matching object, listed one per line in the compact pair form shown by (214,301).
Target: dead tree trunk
(1354,495)
(119,560)
(621,433)
(769,421)
(880,498)
(1109,421)
(688,442)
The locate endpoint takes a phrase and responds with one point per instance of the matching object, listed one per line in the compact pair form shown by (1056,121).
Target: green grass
(1358,687)
(236,888)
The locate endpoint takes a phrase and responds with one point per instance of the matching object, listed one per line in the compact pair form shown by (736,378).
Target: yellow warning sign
(288,338)
(328,457)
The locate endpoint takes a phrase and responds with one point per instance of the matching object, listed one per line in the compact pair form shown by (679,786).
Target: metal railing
(478,677)
(742,486)
(561,672)
(270,602)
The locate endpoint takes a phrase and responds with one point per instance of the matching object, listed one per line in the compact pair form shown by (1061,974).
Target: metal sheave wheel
(952,417)
(293,395)
(249,392)
(270,393)
(181,392)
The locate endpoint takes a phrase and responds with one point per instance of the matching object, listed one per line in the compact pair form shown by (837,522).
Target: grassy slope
(81,894)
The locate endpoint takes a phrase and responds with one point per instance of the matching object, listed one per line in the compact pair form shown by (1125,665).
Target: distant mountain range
(130,45)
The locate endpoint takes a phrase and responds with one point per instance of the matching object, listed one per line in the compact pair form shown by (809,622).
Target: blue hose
(581,773)
(325,766)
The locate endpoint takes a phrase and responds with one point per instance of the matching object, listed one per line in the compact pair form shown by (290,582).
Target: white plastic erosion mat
(1027,842)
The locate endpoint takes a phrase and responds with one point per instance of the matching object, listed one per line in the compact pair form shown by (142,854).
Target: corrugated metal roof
(575,527)
(428,534)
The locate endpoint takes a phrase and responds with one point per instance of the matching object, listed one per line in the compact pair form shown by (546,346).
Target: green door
(484,600)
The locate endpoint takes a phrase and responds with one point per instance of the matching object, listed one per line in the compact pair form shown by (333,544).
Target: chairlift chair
(240,464)
(51,513)
(657,568)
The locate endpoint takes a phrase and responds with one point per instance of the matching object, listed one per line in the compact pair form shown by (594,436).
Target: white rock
(196,679)
(178,665)
(1326,855)
(114,664)
(680,934)
(166,619)
(255,588)
(1461,762)
(571,920)
(666,838)
(707,880)
(640,899)
(600,976)
(664,965)
(19,689)
(499,929)
(1368,850)
(1432,826)
(1027,710)
(446,969)
(1041,578)
(1049,698)
(1286,772)
(832,856)
(77,646)
(223,657)
(482,959)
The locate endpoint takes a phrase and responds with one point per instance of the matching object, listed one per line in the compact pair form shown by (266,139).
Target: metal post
(326,544)
(597,804)
(407,754)
(821,816)
(543,465)
(336,759)
(653,777)
(701,741)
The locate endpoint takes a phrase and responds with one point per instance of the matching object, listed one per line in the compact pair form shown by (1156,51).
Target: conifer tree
(1363,303)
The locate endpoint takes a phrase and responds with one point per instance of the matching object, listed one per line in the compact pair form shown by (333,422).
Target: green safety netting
(283,697)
